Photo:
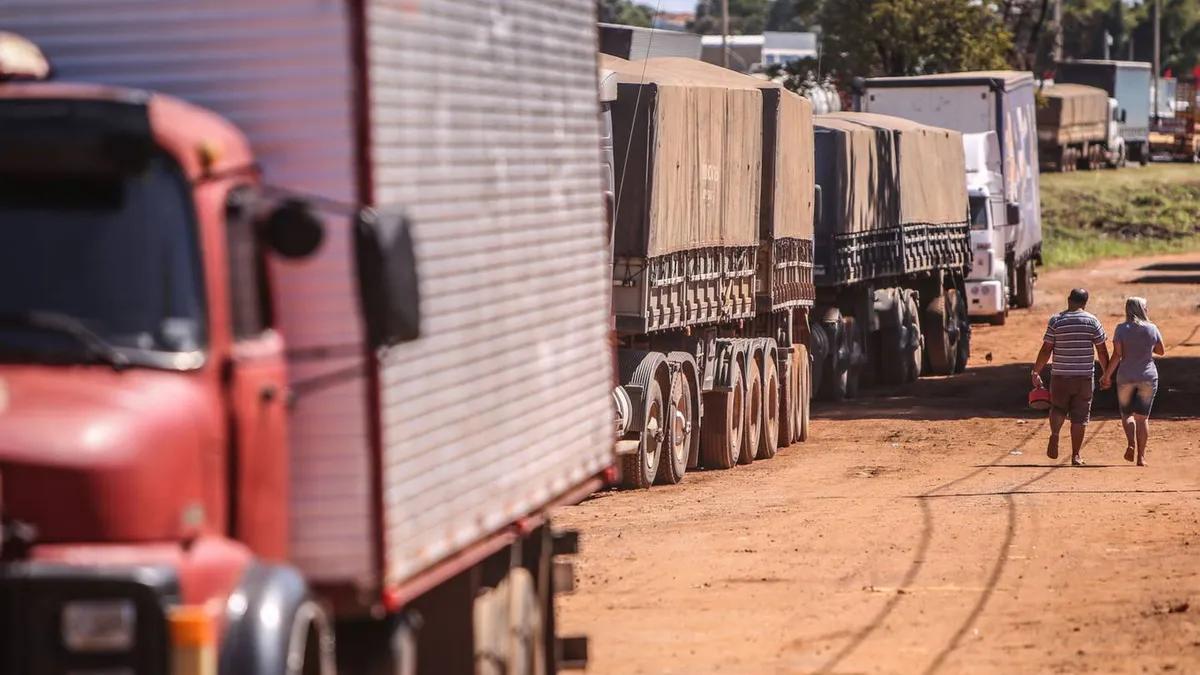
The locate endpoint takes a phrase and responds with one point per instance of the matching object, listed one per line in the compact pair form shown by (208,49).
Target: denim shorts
(1136,398)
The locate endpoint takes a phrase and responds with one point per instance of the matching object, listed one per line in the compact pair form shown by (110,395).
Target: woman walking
(1134,344)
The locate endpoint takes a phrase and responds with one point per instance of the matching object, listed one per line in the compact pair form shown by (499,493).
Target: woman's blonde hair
(1135,310)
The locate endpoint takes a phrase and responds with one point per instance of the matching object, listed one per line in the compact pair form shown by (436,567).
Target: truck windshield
(979,214)
(108,256)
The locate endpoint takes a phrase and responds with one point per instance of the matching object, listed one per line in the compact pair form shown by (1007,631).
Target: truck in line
(892,251)
(1001,102)
(1175,133)
(712,208)
(1078,128)
(1126,81)
(301,339)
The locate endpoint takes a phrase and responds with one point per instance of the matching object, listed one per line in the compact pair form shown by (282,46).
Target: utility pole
(1058,31)
(1157,48)
(725,33)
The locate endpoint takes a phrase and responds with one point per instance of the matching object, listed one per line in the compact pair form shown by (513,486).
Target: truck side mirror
(387,278)
(817,204)
(1122,115)
(1012,213)
(293,229)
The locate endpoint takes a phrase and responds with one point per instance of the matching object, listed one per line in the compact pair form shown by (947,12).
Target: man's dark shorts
(1072,396)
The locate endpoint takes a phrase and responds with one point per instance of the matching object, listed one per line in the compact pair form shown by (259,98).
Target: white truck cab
(1115,141)
(987,284)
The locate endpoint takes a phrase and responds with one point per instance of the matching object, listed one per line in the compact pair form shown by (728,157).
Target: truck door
(257,386)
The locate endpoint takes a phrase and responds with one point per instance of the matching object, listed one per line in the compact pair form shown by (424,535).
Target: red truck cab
(143,391)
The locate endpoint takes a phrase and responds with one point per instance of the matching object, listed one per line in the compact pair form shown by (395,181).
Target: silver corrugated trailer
(424,461)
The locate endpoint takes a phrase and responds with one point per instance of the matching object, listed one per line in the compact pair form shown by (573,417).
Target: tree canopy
(912,37)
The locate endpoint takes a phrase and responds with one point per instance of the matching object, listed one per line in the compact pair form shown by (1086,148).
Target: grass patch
(1135,211)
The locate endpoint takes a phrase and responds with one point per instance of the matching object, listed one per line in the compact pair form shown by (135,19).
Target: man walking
(1071,337)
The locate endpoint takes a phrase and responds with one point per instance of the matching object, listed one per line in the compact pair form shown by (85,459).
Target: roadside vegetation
(1135,211)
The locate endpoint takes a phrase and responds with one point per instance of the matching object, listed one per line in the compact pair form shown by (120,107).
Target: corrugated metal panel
(281,71)
(485,131)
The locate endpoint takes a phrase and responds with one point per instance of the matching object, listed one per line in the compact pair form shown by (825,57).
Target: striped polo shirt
(1074,334)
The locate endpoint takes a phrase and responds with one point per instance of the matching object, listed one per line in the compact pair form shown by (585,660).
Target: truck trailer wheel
(680,430)
(508,627)
(963,344)
(914,342)
(752,422)
(638,469)
(768,439)
(804,400)
(941,326)
(721,429)
(1025,285)
(789,390)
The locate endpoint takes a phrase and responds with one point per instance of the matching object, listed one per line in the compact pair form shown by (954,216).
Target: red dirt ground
(924,531)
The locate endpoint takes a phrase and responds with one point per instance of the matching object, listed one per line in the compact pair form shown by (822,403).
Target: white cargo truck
(1001,102)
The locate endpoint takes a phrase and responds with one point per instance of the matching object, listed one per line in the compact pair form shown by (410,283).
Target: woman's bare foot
(1141,460)
(1052,447)
(1129,454)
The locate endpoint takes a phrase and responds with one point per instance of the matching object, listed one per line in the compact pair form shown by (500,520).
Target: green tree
(746,17)
(912,37)
(792,15)
(624,12)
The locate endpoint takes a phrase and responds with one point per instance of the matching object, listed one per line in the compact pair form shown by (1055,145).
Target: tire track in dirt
(1001,558)
(918,561)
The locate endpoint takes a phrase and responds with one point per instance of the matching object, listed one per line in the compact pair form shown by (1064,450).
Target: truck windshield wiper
(56,322)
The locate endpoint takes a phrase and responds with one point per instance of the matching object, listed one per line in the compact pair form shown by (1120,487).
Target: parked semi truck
(711,264)
(1175,133)
(1126,81)
(219,459)
(976,102)
(892,251)
(1078,128)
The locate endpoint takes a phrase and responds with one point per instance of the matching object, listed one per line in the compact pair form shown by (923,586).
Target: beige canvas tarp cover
(1072,113)
(891,170)
(707,158)
(793,191)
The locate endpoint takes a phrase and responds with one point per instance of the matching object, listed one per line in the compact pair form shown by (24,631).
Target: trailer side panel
(503,404)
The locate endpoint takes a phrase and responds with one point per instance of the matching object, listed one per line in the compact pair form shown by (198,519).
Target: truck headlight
(99,625)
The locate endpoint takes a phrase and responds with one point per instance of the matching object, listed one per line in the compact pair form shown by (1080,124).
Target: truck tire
(768,439)
(857,354)
(963,343)
(1025,297)
(639,469)
(913,355)
(681,413)
(804,400)
(752,425)
(1143,157)
(508,627)
(721,429)
(789,389)
(836,371)
(940,349)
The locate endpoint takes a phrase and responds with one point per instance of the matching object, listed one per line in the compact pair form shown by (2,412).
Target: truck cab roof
(202,142)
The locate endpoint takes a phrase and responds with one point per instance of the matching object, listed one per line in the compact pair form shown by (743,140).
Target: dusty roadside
(924,531)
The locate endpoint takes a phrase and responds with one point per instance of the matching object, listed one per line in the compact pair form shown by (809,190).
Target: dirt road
(924,531)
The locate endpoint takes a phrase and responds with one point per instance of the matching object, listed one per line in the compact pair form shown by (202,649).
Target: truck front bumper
(37,599)
(985,298)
